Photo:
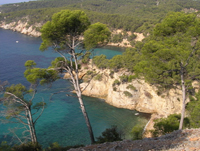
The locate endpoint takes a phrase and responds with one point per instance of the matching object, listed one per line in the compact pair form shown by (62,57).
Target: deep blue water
(62,120)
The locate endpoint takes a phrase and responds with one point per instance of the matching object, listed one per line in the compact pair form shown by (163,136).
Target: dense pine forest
(130,15)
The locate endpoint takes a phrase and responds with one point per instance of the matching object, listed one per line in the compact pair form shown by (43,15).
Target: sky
(12,1)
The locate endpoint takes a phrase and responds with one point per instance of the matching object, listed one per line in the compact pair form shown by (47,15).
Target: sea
(62,120)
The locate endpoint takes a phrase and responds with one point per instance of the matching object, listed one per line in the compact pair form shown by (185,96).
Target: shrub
(86,58)
(128,94)
(126,78)
(27,147)
(116,82)
(114,89)
(193,108)
(100,61)
(136,132)
(89,72)
(167,125)
(98,77)
(111,74)
(131,87)
(109,135)
(4,146)
(56,147)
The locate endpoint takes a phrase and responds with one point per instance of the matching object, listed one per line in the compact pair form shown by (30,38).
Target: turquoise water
(62,120)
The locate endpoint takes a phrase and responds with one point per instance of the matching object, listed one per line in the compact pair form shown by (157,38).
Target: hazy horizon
(12,1)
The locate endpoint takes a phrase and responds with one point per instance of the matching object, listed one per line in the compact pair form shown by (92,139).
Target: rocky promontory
(143,98)
(22,27)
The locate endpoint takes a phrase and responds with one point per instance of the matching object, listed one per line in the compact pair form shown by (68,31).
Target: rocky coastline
(144,98)
(23,27)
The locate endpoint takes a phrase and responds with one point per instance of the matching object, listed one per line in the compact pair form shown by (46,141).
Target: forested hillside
(132,15)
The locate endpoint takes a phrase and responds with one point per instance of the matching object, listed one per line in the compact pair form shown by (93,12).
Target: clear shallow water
(62,120)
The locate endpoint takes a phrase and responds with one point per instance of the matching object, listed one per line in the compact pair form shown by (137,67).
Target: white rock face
(22,27)
(144,97)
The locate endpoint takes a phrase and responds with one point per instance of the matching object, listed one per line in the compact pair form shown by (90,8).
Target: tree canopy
(170,56)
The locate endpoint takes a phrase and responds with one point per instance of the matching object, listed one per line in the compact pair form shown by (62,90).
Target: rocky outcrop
(143,97)
(23,28)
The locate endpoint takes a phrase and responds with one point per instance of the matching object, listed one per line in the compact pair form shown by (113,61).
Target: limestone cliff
(22,27)
(144,97)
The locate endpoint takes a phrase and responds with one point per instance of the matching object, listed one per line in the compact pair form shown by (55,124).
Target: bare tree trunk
(79,95)
(86,119)
(183,99)
(32,125)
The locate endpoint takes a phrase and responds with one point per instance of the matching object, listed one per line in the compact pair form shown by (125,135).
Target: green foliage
(96,34)
(109,135)
(63,23)
(193,108)
(117,38)
(86,58)
(98,77)
(167,125)
(111,74)
(56,147)
(27,147)
(131,37)
(116,62)
(126,78)
(30,64)
(128,94)
(131,87)
(19,90)
(100,61)
(116,82)
(137,132)
(172,45)
(4,146)
(44,76)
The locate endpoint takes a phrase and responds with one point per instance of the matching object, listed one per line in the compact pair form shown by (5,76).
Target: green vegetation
(169,56)
(137,132)
(193,113)
(109,135)
(134,15)
(98,77)
(127,94)
(131,87)
(64,33)
(116,82)
(166,125)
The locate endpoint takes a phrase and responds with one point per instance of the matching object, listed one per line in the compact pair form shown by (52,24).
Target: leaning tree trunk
(86,119)
(183,99)
(76,83)
(32,125)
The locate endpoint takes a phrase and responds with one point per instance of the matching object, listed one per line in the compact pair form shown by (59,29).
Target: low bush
(136,132)
(127,94)
(131,87)
(98,77)
(116,82)
(167,125)
(109,135)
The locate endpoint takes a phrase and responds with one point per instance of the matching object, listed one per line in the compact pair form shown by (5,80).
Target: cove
(62,120)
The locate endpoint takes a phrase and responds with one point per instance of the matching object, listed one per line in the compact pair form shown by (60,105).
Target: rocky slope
(22,27)
(186,140)
(144,97)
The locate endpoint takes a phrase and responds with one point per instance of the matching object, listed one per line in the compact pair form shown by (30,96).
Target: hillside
(130,15)
(186,140)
